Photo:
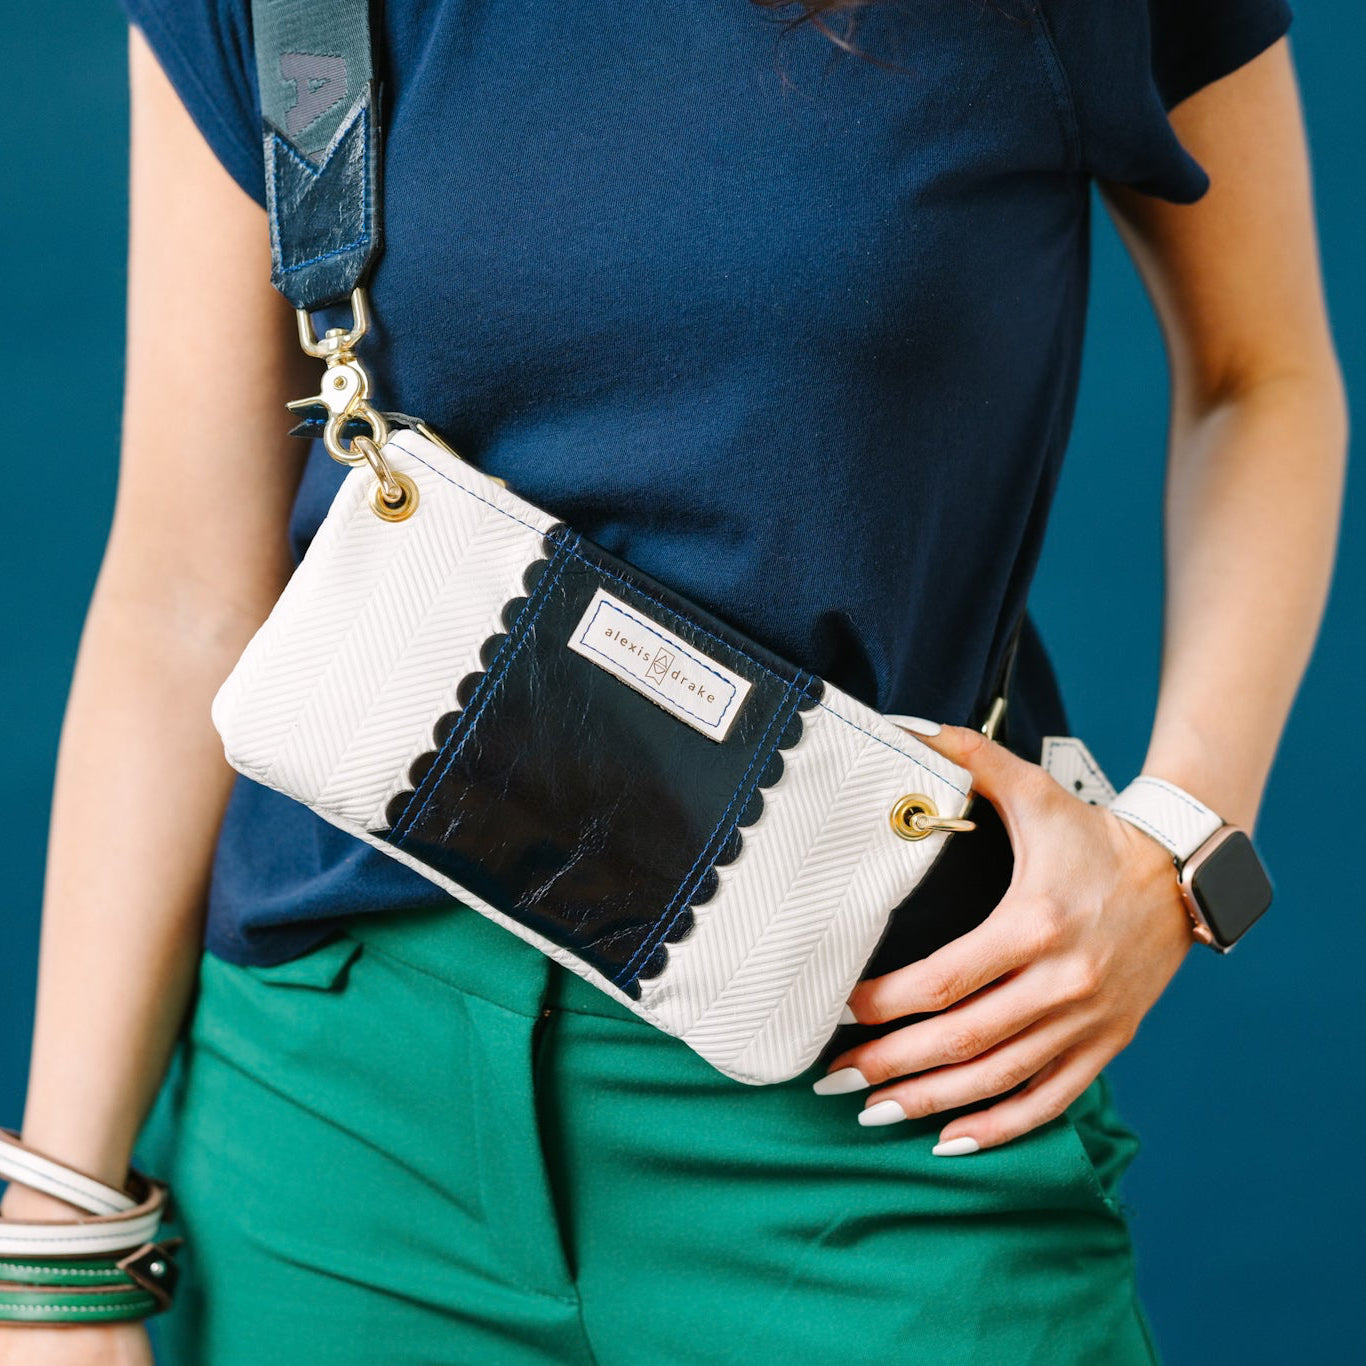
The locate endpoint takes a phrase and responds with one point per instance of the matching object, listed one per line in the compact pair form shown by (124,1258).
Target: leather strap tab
(320,123)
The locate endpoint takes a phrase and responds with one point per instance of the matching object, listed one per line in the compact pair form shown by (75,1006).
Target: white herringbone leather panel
(339,691)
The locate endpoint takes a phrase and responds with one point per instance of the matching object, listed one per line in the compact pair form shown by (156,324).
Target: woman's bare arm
(1258,436)
(1054,983)
(196,556)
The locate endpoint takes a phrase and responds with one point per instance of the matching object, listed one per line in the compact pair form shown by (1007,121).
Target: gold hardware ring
(914,816)
(332,433)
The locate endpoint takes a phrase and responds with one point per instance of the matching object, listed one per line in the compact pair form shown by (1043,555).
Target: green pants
(423,1142)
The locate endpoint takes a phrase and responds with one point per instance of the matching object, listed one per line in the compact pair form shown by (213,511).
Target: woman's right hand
(80,1344)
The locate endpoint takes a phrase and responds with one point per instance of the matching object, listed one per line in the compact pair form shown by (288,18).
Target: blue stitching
(660,930)
(496,665)
(734,691)
(1172,790)
(663,607)
(326,256)
(1059,742)
(658,630)
(512,642)
(316,168)
(491,683)
(1126,814)
(687,888)
(490,687)
(315,171)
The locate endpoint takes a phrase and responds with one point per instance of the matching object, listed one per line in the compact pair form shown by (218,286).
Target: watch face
(1231,887)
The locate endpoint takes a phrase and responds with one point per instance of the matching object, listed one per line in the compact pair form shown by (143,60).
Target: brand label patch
(665,668)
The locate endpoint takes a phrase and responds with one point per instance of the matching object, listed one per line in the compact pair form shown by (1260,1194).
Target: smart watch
(1222,879)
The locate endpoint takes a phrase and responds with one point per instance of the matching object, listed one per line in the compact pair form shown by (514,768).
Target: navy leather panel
(571,802)
(324,213)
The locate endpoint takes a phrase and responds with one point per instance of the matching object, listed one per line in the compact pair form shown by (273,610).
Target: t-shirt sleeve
(205,49)
(1130,62)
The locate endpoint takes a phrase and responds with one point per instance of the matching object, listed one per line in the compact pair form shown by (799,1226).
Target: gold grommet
(914,816)
(395,509)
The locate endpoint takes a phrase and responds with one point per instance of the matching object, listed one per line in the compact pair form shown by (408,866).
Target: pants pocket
(323,967)
(1105,1145)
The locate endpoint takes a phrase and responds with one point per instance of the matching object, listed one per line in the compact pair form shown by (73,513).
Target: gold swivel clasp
(914,816)
(346,396)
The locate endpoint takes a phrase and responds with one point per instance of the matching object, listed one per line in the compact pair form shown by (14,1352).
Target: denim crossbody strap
(321,130)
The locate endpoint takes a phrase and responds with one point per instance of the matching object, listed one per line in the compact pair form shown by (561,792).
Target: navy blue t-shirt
(796,333)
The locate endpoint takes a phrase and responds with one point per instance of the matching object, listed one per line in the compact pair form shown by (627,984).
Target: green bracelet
(88,1289)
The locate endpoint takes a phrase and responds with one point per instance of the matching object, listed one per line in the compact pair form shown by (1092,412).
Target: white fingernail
(884,1112)
(840,1083)
(847,1016)
(916,723)
(953,1147)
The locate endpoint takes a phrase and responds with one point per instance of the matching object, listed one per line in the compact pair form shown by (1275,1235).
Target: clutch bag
(713,836)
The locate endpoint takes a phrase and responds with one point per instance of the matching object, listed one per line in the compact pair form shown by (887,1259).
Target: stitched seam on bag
(493,680)
(678,616)
(692,654)
(1092,768)
(327,255)
(662,936)
(512,638)
(762,751)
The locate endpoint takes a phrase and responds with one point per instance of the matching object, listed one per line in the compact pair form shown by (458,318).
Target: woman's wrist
(104,1161)
(23,1203)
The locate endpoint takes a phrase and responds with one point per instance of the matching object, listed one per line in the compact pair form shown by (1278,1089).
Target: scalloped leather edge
(657,956)
(421,767)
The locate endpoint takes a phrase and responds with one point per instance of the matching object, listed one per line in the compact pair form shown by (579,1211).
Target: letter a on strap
(320,122)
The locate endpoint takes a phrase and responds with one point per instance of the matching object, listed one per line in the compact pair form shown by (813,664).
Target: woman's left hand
(1047,989)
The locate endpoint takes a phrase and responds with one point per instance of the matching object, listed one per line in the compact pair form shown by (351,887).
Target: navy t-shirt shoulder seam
(1127,74)
(1203,67)
(1061,85)
(238,156)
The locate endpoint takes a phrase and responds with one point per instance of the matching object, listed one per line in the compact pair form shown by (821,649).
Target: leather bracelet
(48,1304)
(47,1271)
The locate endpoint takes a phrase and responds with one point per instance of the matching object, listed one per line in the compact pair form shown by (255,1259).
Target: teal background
(1244,1081)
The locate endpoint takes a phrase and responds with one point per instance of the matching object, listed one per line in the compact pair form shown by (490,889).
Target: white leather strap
(118,1221)
(1068,760)
(70,1239)
(1168,813)
(19,1163)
